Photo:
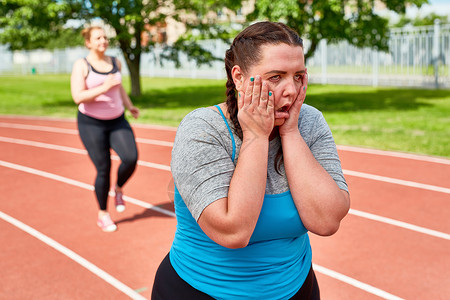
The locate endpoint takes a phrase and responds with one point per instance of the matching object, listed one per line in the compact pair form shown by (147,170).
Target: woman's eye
(274,78)
(298,77)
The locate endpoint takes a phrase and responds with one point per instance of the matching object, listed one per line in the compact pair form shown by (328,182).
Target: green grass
(409,120)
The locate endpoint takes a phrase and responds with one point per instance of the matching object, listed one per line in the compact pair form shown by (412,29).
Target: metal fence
(417,57)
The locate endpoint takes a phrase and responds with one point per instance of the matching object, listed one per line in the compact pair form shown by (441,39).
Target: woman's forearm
(125,99)
(230,221)
(320,202)
(248,184)
(88,95)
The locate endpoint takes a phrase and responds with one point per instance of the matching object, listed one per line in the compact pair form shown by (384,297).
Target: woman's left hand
(134,112)
(291,124)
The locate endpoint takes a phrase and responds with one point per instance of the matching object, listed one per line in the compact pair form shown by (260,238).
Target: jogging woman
(96,86)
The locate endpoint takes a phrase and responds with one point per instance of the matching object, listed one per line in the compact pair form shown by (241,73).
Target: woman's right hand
(256,109)
(110,82)
(230,221)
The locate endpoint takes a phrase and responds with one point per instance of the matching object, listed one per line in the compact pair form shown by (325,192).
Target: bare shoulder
(223,107)
(79,62)
(213,108)
(80,66)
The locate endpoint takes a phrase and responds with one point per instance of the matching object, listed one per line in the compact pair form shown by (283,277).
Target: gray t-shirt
(201,157)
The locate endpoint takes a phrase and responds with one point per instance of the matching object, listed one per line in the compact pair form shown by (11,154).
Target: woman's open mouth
(282,113)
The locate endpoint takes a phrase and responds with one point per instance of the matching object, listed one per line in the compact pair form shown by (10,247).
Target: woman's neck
(96,56)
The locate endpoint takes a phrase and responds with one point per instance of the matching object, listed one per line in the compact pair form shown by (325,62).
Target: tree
(129,18)
(421,21)
(333,20)
(31,24)
(68,37)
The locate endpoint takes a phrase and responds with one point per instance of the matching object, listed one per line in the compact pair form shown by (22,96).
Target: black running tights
(99,136)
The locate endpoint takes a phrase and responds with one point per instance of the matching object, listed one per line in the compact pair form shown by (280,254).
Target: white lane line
(401,224)
(73,120)
(397,181)
(153,126)
(355,283)
(395,154)
(154,142)
(38,128)
(33,118)
(144,204)
(42,145)
(81,185)
(75,132)
(362,214)
(75,257)
(75,150)
(323,270)
(167,168)
(46,175)
(411,156)
(148,164)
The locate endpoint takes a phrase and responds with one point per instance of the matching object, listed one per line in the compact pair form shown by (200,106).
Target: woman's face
(282,67)
(98,40)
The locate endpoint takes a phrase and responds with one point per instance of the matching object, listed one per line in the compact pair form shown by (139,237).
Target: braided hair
(245,51)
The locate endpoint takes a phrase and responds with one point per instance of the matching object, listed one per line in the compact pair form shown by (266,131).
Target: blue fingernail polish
(270,93)
(304,88)
(252,79)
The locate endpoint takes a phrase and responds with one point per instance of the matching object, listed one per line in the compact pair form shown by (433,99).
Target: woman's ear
(238,77)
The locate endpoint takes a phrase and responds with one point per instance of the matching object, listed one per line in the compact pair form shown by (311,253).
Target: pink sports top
(106,106)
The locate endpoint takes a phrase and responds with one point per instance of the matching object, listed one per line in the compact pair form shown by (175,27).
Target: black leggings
(168,285)
(99,136)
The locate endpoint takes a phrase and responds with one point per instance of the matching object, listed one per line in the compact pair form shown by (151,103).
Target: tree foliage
(68,37)
(421,21)
(333,20)
(129,18)
(31,24)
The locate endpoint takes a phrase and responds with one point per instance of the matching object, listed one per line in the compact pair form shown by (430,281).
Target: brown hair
(245,51)
(86,32)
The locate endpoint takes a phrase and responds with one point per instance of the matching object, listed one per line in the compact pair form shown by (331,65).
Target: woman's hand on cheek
(291,123)
(256,109)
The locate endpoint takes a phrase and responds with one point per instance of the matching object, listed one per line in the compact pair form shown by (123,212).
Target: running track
(394,244)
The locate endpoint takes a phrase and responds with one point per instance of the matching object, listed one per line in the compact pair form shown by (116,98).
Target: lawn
(409,120)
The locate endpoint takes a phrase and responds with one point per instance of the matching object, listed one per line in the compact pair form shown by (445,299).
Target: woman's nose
(290,88)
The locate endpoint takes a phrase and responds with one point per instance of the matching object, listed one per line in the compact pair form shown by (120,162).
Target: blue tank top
(273,265)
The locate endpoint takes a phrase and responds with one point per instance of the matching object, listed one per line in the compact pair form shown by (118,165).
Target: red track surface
(372,259)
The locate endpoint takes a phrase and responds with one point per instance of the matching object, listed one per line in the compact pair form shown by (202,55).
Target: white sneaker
(106,224)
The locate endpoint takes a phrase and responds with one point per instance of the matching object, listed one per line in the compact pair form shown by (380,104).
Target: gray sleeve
(201,165)
(322,145)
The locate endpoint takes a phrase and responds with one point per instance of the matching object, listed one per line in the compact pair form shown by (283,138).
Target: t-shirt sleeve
(201,165)
(323,147)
